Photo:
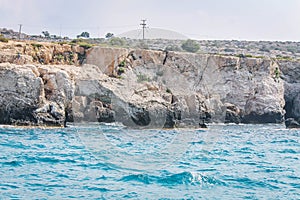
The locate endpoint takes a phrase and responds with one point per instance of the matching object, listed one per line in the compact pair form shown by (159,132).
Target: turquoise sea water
(112,162)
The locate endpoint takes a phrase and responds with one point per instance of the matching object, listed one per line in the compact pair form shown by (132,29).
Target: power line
(20,30)
(143,24)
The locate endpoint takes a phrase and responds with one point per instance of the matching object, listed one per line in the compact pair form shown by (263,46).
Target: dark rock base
(254,118)
(292,123)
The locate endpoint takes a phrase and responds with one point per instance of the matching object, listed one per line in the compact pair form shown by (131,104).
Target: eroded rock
(155,90)
(292,123)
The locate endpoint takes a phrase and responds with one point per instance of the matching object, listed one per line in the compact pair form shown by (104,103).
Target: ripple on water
(13,163)
(223,162)
(184,178)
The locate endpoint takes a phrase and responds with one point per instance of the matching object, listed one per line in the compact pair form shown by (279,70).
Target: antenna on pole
(143,24)
(20,30)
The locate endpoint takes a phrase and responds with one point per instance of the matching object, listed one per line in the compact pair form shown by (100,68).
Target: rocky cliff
(222,88)
(291,77)
(142,88)
(41,53)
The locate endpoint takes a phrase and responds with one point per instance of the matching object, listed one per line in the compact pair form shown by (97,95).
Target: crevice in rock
(166,57)
(203,71)
(140,116)
(288,108)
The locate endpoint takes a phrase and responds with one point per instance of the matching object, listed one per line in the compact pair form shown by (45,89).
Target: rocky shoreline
(143,88)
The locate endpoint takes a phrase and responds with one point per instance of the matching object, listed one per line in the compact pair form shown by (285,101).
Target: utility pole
(60,31)
(20,30)
(143,24)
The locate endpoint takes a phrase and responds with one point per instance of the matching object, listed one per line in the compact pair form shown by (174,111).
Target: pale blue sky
(199,19)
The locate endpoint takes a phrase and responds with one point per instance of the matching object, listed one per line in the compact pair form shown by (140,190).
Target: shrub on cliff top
(190,46)
(3,39)
(115,41)
(82,43)
(36,45)
(85,45)
(142,45)
(142,78)
(173,48)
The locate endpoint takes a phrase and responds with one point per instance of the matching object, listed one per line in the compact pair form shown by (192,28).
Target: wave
(183,178)
(13,163)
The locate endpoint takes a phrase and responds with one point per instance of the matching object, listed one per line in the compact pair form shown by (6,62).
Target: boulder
(20,94)
(233,114)
(34,95)
(292,123)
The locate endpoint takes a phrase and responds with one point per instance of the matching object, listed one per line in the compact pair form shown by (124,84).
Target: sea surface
(93,161)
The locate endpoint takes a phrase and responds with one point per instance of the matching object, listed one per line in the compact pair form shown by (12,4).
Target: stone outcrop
(202,83)
(34,95)
(292,123)
(106,58)
(149,89)
(41,53)
(291,76)
(20,92)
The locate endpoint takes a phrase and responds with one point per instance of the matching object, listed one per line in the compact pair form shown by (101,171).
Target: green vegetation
(142,45)
(36,45)
(46,34)
(115,41)
(71,55)
(76,41)
(121,70)
(245,56)
(142,78)
(279,57)
(3,39)
(62,43)
(84,35)
(84,43)
(173,48)
(122,63)
(292,49)
(190,46)
(168,91)
(109,35)
(264,49)
(159,73)
(228,50)
(258,57)
(59,57)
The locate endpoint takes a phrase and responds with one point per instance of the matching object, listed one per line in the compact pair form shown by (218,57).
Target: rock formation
(20,92)
(227,89)
(41,53)
(148,89)
(34,95)
(291,76)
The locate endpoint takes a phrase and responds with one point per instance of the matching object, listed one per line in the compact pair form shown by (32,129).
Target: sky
(274,20)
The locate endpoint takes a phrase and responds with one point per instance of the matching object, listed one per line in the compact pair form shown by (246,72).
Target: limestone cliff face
(41,53)
(142,88)
(291,76)
(20,92)
(222,88)
(35,95)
